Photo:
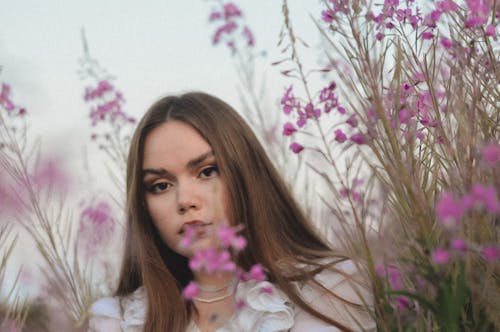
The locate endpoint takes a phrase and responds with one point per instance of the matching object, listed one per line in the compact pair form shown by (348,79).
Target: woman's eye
(159,187)
(209,172)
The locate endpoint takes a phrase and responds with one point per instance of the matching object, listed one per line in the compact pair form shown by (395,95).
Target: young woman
(194,162)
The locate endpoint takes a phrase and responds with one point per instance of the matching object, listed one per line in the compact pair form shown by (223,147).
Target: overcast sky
(152,47)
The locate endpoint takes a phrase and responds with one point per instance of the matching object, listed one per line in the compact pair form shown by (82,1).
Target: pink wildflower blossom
(191,291)
(289,129)
(341,110)
(228,238)
(49,173)
(326,15)
(211,261)
(340,136)
(256,273)
(96,228)
(490,30)
(446,42)
(288,101)
(231,10)
(448,209)
(215,16)
(296,147)
(5,100)
(440,256)
(491,253)
(357,138)
(490,153)
(352,121)
(247,33)
(402,303)
(446,6)
(267,290)
(484,196)
(459,245)
(227,28)
(427,35)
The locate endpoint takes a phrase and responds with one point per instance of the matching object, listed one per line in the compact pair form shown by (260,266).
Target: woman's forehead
(173,141)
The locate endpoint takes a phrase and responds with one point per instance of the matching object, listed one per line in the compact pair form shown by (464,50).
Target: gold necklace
(215,299)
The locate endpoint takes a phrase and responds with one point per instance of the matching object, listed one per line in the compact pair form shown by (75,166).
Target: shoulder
(262,307)
(337,292)
(116,314)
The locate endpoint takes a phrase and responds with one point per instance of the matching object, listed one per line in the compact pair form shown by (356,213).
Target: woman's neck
(215,304)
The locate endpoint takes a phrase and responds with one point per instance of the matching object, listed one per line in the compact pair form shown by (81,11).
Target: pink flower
(240,304)
(49,173)
(288,129)
(256,273)
(484,195)
(288,101)
(228,238)
(446,42)
(191,291)
(352,121)
(447,6)
(392,273)
(459,245)
(247,33)
(402,303)
(227,28)
(379,36)
(267,290)
(97,225)
(5,98)
(358,139)
(231,10)
(340,136)
(491,253)
(226,235)
(440,256)
(448,209)
(490,153)
(215,16)
(490,31)
(189,235)
(427,35)
(296,147)
(341,110)
(326,15)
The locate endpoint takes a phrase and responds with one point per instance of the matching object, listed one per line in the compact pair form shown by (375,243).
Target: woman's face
(183,186)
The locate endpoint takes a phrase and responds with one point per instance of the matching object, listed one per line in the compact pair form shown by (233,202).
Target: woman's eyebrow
(193,163)
(156,171)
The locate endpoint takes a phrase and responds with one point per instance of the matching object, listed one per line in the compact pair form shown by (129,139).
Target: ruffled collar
(262,307)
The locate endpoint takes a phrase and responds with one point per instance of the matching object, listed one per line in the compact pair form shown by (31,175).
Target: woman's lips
(196,225)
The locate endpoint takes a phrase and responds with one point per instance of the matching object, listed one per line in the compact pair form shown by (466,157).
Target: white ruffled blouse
(264,311)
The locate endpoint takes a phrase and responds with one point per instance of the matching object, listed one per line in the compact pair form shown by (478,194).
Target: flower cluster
(7,104)
(108,104)
(231,27)
(327,101)
(451,209)
(220,259)
(97,226)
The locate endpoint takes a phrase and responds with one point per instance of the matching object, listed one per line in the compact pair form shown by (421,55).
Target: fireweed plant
(412,109)
(220,259)
(37,192)
(111,125)
(231,30)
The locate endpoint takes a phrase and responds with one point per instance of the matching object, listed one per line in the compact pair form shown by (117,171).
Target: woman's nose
(187,197)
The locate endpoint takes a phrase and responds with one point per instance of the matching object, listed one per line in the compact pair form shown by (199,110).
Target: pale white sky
(153,47)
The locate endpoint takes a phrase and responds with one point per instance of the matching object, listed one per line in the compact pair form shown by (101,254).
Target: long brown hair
(279,235)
